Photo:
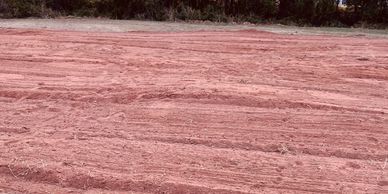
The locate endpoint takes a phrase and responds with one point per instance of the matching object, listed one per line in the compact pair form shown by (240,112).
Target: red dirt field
(192,112)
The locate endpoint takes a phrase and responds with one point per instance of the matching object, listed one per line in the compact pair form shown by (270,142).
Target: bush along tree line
(303,12)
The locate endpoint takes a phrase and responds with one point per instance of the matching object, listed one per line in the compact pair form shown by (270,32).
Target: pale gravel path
(105,25)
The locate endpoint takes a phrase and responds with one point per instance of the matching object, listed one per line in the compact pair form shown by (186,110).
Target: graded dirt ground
(192,112)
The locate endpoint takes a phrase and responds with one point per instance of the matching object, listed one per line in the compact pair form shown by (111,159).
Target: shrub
(310,12)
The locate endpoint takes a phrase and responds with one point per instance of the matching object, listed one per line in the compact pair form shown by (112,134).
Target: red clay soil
(192,112)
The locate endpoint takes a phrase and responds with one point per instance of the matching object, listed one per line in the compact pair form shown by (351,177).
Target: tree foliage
(314,12)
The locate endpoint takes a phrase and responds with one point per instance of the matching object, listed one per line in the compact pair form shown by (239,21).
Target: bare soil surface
(192,112)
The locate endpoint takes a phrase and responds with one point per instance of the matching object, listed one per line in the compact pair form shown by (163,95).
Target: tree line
(304,12)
